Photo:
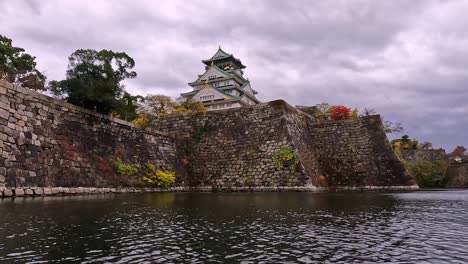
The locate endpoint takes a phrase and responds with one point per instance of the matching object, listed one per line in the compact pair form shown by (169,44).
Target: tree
(19,67)
(324,112)
(154,106)
(389,126)
(187,106)
(426,145)
(126,108)
(458,151)
(430,174)
(405,143)
(93,79)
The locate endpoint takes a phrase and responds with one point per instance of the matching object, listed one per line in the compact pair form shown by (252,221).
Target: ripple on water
(244,228)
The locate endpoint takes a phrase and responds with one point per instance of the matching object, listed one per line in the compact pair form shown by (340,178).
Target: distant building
(223,85)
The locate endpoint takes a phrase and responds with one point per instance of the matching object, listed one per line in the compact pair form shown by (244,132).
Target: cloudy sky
(406,59)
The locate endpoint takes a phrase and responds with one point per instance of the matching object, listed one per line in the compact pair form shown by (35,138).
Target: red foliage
(184,162)
(340,112)
(322,178)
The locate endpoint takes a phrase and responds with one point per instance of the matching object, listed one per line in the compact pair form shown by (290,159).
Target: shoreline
(68,191)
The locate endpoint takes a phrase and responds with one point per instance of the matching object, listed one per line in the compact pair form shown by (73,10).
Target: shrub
(159,178)
(124,169)
(340,112)
(397,151)
(286,157)
(431,174)
(405,143)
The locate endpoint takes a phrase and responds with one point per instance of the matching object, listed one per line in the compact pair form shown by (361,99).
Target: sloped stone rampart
(47,142)
(357,152)
(235,148)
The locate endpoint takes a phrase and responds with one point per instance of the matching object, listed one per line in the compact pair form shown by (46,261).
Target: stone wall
(415,155)
(357,152)
(457,175)
(233,148)
(47,142)
(457,172)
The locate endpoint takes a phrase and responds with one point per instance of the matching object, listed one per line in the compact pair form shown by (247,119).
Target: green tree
(19,67)
(93,79)
(126,107)
(431,174)
(405,142)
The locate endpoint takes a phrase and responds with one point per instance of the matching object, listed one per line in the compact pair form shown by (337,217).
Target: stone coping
(52,191)
(62,103)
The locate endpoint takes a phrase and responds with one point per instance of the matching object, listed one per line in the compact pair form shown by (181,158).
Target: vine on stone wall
(148,175)
(286,157)
(125,169)
(159,178)
(200,131)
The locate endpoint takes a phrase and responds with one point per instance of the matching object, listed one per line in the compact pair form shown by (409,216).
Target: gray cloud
(406,59)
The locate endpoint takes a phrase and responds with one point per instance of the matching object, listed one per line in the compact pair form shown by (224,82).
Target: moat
(426,226)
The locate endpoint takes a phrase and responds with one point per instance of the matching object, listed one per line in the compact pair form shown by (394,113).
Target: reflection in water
(237,227)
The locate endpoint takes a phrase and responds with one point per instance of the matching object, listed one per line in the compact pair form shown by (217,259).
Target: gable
(219,54)
(211,73)
(208,93)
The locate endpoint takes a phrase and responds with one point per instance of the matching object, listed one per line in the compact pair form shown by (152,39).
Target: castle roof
(221,55)
(228,74)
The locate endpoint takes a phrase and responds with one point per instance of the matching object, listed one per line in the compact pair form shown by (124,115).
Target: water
(419,227)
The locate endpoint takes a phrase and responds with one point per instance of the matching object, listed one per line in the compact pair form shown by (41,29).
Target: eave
(227,58)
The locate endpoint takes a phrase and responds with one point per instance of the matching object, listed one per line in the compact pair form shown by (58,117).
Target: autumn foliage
(340,112)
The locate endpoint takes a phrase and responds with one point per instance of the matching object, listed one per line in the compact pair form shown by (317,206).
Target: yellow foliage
(155,106)
(142,121)
(159,178)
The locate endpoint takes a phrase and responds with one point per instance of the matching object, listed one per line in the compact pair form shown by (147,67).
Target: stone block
(5,114)
(47,191)
(18,192)
(38,191)
(56,190)
(28,192)
(7,193)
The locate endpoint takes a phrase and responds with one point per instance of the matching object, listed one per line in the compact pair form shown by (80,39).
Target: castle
(222,85)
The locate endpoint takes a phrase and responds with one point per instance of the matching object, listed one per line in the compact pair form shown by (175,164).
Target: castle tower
(223,85)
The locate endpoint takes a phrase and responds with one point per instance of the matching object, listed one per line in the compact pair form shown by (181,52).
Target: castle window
(212,77)
(207,97)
